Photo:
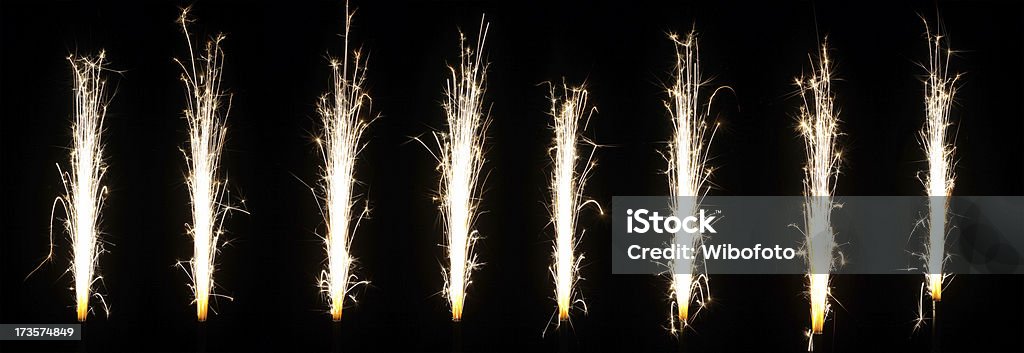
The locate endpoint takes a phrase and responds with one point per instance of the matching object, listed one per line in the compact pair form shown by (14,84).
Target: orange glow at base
(83,308)
(336,306)
(683,284)
(456,307)
(201,306)
(935,286)
(684,312)
(819,296)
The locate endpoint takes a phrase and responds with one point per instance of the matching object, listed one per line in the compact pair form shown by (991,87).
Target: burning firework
(206,116)
(939,90)
(687,171)
(83,191)
(568,110)
(460,160)
(819,121)
(343,126)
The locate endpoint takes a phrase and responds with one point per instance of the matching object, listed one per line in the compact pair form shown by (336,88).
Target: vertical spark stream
(84,192)
(341,113)
(687,170)
(819,127)
(939,91)
(205,113)
(461,160)
(568,111)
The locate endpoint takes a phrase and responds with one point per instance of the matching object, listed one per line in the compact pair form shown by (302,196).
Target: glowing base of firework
(202,291)
(83,262)
(336,306)
(819,302)
(935,286)
(456,290)
(83,307)
(682,285)
(936,242)
(564,286)
(564,267)
(457,307)
(201,308)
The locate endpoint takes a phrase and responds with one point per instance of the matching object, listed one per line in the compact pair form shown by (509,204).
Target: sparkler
(343,125)
(568,110)
(939,91)
(460,160)
(206,116)
(84,192)
(687,171)
(819,121)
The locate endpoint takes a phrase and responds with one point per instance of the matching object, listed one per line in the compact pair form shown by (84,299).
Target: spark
(460,161)
(938,182)
(688,172)
(341,113)
(206,114)
(568,110)
(83,190)
(819,120)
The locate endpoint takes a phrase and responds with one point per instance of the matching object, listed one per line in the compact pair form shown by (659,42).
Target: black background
(276,68)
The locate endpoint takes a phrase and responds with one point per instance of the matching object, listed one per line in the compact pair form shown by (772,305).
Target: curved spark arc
(84,193)
(569,110)
(688,172)
(818,125)
(460,161)
(207,130)
(341,116)
(938,182)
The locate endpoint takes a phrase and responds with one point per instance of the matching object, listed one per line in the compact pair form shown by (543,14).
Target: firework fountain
(206,113)
(568,110)
(819,122)
(688,173)
(341,113)
(939,91)
(83,189)
(460,161)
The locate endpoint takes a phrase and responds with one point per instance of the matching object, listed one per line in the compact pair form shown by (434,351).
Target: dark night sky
(276,68)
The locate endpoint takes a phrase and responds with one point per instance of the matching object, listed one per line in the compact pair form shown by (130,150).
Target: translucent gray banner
(855,235)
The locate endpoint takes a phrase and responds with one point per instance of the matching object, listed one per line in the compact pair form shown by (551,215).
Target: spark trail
(688,172)
(206,114)
(83,188)
(460,161)
(819,120)
(342,115)
(939,89)
(570,113)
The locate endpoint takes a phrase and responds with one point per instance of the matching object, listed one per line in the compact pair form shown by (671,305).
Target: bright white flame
(688,172)
(819,122)
(83,188)
(207,130)
(460,161)
(343,126)
(939,91)
(568,110)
